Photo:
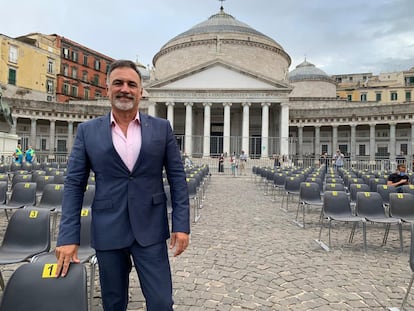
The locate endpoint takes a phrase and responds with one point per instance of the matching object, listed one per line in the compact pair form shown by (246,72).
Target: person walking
(29,155)
(18,154)
(129,211)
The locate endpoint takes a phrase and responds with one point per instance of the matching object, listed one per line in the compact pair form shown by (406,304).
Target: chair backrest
(309,191)
(334,187)
(384,191)
(42,181)
(355,188)
(88,196)
(52,196)
(21,178)
(336,203)
(192,186)
(37,173)
(402,205)
(279,179)
(29,231)
(3,192)
(292,184)
(23,193)
(33,286)
(374,182)
(369,205)
(408,189)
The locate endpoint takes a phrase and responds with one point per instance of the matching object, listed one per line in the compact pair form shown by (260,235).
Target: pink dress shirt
(127,147)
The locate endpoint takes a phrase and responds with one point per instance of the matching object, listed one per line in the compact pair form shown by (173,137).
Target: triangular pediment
(218,75)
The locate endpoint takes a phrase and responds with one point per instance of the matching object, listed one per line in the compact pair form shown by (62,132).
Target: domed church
(226,87)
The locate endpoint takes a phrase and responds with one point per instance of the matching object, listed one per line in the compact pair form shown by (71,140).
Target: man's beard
(124,105)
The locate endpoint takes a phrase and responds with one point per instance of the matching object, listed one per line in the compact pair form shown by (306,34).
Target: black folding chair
(33,286)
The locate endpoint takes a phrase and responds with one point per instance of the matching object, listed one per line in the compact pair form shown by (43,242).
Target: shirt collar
(136,119)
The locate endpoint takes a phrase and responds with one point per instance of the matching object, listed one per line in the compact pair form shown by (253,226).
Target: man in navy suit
(127,151)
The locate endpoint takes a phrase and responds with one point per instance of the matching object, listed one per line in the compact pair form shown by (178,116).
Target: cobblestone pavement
(246,253)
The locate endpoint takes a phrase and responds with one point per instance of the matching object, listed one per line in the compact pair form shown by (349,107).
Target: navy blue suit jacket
(128,205)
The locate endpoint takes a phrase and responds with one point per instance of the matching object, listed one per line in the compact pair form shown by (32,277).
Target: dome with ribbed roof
(222,37)
(221,23)
(307,71)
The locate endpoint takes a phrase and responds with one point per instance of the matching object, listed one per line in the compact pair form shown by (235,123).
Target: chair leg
(401,237)
(329,234)
(387,230)
(351,235)
(364,233)
(92,263)
(406,294)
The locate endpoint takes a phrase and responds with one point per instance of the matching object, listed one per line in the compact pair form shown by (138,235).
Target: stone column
(317,150)
(265,130)
(14,126)
(52,133)
(32,141)
(188,146)
(245,127)
(70,136)
(334,139)
(207,125)
(392,144)
(372,143)
(284,128)
(300,141)
(353,143)
(170,113)
(226,131)
(151,109)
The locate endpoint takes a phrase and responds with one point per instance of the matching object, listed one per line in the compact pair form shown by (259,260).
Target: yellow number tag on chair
(84,212)
(49,270)
(367,194)
(57,187)
(33,214)
(400,195)
(335,193)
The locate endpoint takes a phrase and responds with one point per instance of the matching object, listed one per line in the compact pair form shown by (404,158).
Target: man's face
(124,89)
(402,169)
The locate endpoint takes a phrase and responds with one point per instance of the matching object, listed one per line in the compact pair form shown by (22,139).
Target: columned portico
(300,140)
(265,130)
(245,127)
(317,140)
(226,130)
(353,141)
(392,142)
(70,135)
(334,138)
(52,137)
(188,128)
(207,124)
(151,109)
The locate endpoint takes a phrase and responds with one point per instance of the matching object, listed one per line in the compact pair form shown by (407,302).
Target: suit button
(131,178)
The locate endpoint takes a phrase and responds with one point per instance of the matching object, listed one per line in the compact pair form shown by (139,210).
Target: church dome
(309,81)
(222,37)
(307,71)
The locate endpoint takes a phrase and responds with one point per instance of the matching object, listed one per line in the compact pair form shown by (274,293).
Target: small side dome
(307,71)
(144,71)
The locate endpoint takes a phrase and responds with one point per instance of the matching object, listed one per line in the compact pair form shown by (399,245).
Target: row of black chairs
(28,239)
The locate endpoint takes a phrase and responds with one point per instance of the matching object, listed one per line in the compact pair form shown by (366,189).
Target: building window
(97,64)
(65,52)
(349,97)
(50,65)
(43,144)
(85,76)
(49,98)
(86,94)
(408,96)
(85,60)
(74,92)
(49,86)
(364,97)
(13,54)
(378,97)
(66,70)
(96,80)
(394,96)
(75,56)
(98,94)
(351,79)
(107,67)
(362,150)
(74,72)
(12,76)
(65,89)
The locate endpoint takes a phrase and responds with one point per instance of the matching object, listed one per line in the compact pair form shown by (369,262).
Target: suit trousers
(154,273)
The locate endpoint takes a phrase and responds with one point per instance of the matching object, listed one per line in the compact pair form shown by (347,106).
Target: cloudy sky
(338,36)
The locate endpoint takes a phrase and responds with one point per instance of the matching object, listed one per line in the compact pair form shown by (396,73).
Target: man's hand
(180,241)
(66,254)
